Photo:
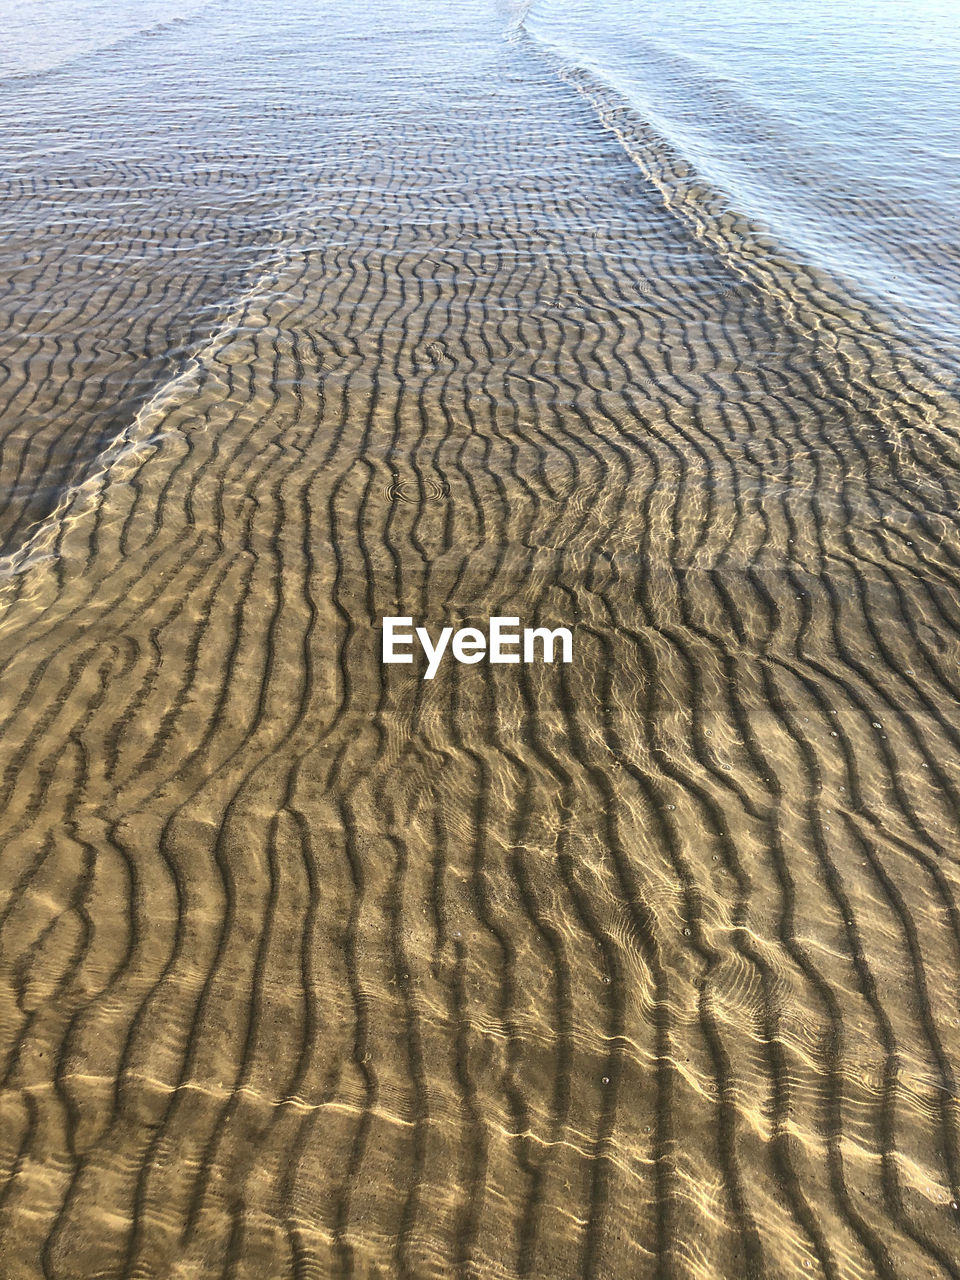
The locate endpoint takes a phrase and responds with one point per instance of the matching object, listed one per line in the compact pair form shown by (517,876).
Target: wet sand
(644,965)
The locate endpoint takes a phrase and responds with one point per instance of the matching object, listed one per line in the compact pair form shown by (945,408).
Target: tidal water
(835,126)
(639,322)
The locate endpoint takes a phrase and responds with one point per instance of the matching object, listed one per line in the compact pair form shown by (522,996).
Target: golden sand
(639,965)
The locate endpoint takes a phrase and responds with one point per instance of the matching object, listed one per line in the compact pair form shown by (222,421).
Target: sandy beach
(639,965)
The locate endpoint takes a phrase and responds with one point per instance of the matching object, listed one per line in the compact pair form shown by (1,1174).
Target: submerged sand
(644,965)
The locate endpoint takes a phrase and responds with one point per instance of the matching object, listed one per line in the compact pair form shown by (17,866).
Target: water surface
(642,965)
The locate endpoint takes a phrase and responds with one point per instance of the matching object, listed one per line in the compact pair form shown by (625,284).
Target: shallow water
(644,964)
(835,126)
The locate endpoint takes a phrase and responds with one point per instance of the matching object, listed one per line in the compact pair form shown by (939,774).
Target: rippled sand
(644,965)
